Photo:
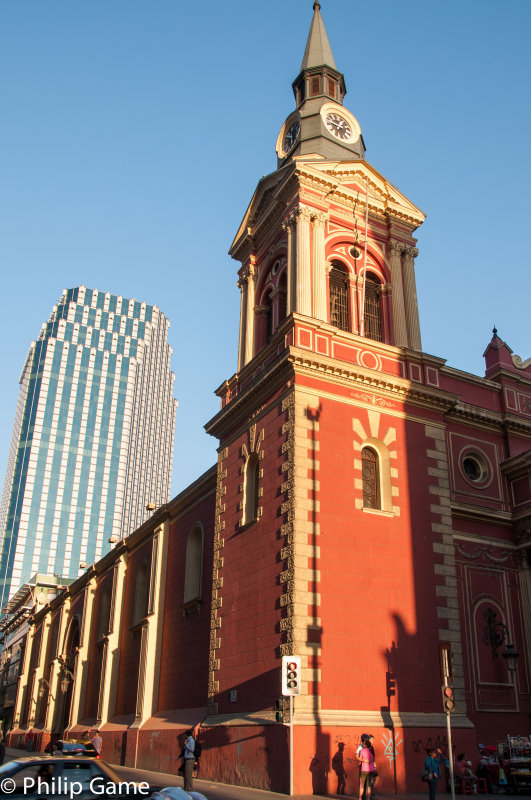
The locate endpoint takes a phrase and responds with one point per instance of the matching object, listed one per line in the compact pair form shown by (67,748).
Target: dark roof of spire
(318,50)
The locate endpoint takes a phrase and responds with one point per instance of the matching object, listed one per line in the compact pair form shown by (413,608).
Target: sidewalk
(222,791)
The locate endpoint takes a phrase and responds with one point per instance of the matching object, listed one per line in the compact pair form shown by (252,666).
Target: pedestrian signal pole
(291,686)
(448,706)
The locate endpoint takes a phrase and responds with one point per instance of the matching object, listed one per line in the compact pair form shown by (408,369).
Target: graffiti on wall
(390,746)
(421,746)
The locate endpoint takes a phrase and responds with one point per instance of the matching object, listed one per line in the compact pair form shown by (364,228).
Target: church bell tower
(326,236)
(314,508)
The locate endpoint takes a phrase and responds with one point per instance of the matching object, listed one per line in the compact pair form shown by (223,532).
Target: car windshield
(14,766)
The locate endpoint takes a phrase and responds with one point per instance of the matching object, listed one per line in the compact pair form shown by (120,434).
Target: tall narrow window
(250,498)
(104,613)
(282,296)
(370,478)
(372,319)
(140,608)
(269,317)
(339,291)
(194,565)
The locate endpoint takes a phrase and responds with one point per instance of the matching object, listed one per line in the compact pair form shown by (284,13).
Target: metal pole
(450,748)
(291,745)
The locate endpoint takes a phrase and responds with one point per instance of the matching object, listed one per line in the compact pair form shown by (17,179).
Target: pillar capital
(395,248)
(410,252)
(319,217)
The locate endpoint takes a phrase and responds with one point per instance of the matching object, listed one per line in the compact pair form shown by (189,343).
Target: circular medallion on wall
(368,359)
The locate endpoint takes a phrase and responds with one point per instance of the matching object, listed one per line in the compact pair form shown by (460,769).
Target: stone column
(82,660)
(249,314)
(303,301)
(387,291)
(290,265)
(56,698)
(39,671)
(149,668)
(320,310)
(111,654)
(410,297)
(354,302)
(524,570)
(24,678)
(399,315)
(242,286)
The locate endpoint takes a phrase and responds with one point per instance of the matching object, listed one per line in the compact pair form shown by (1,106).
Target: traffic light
(391,684)
(291,675)
(448,699)
(279,709)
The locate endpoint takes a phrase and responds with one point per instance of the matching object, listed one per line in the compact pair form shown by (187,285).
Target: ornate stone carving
(519,364)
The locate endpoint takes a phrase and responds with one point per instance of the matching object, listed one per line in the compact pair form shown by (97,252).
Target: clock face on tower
(340,123)
(291,136)
(338,126)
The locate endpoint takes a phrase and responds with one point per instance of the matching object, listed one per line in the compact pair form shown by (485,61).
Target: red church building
(370,508)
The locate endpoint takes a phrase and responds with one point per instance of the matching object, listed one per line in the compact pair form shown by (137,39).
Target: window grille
(372,315)
(339,306)
(369,473)
(251,489)
(315,87)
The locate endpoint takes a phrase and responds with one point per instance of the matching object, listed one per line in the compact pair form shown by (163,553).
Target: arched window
(370,477)
(339,296)
(194,564)
(250,496)
(372,313)
(141,593)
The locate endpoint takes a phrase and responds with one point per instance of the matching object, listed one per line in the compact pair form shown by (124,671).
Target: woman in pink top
(368,767)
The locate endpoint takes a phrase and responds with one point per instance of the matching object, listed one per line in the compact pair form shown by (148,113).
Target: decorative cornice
(481,514)
(476,415)
(388,386)
(346,718)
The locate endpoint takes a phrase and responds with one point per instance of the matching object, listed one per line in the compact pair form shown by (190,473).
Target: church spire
(320,127)
(318,51)
(319,76)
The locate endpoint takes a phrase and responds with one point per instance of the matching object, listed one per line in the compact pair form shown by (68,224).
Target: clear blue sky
(133,133)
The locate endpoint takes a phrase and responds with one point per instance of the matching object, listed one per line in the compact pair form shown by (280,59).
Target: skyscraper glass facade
(92,442)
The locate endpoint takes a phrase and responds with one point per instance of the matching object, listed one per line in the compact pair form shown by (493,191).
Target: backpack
(197,750)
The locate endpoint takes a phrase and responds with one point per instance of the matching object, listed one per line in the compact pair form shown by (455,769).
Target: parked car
(69,777)
(71,747)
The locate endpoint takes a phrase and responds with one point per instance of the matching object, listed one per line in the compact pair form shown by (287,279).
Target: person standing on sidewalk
(368,768)
(97,742)
(189,760)
(433,765)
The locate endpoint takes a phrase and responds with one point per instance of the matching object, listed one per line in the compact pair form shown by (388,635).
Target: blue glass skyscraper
(92,442)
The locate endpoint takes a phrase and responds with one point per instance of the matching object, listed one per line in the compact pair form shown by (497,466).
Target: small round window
(473,469)
(476,468)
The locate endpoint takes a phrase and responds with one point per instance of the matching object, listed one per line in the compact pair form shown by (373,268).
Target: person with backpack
(189,760)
